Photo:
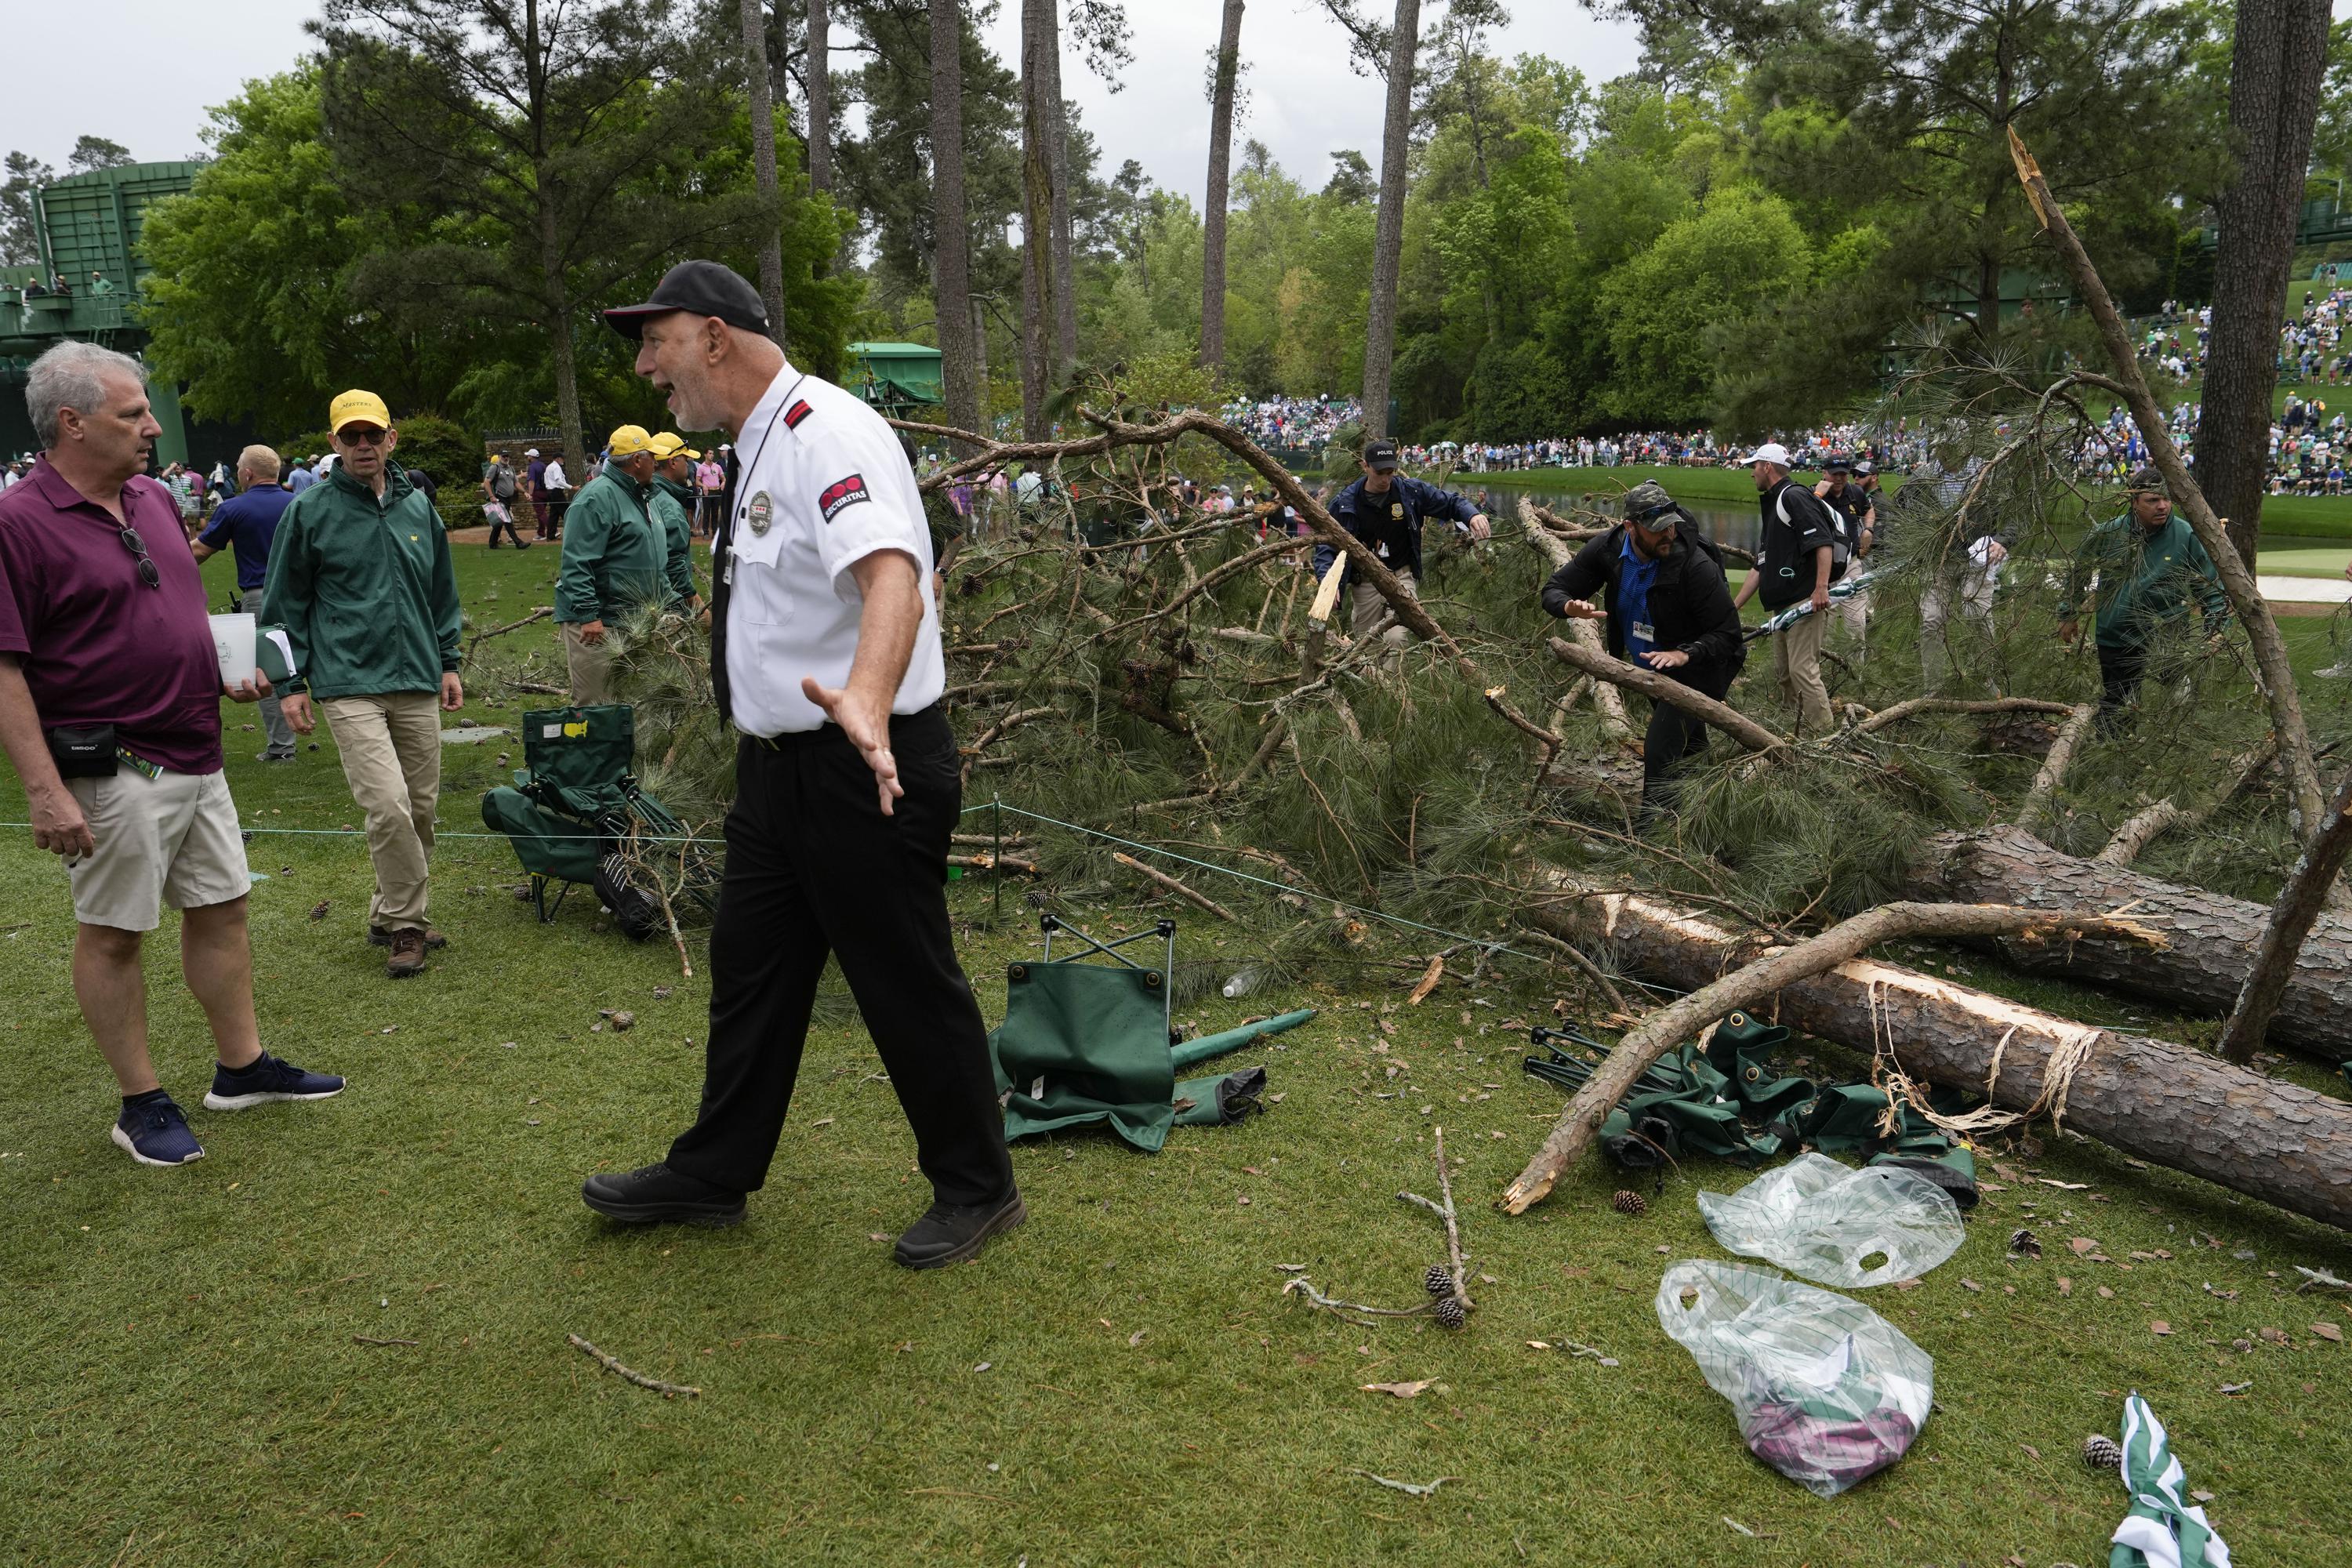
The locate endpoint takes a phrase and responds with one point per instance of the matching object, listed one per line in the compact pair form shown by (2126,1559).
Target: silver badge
(763,508)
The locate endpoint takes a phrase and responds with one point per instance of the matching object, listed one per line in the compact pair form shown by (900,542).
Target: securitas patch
(841,493)
(794,415)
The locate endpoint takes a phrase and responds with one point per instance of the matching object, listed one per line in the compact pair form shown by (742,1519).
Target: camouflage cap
(2149,479)
(1645,501)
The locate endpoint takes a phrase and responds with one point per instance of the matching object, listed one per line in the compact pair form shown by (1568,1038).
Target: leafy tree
(19,236)
(94,152)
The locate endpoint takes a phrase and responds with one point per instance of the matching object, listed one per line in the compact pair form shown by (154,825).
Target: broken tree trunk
(1663,689)
(1553,549)
(2164,1102)
(2277,957)
(2210,938)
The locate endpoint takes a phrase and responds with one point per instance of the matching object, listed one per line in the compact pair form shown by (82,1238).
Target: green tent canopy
(895,378)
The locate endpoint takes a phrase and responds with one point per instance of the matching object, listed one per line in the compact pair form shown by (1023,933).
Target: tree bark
(1660,688)
(1213,218)
(2277,56)
(2273,672)
(820,96)
(1038,282)
(2275,966)
(2210,939)
(951,237)
(763,163)
(2164,1102)
(1586,635)
(558,333)
(1065,279)
(2053,771)
(1388,235)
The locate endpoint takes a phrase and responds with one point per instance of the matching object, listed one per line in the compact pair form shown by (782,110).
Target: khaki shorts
(171,839)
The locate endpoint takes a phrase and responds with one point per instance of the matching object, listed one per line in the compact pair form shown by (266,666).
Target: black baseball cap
(1381,456)
(702,288)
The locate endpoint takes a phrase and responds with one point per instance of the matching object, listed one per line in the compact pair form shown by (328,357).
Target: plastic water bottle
(1242,984)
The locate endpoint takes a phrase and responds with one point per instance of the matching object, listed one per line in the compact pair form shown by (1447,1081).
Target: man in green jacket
(361,576)
(2149,566)
(672,507)
(616,556)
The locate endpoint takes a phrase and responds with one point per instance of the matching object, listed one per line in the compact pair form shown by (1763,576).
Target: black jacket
(1367,517)
(1690,604)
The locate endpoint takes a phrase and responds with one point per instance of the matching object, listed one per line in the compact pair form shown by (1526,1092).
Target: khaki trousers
(1365,608)
(391,747)
(590,667)
(1797,656)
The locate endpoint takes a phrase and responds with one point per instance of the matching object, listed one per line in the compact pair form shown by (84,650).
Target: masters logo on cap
(355,407)
(629,440)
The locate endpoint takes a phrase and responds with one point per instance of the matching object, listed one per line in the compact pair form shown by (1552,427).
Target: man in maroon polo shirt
(109,711)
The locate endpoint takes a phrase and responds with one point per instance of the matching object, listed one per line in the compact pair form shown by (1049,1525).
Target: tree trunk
(1057,164)
(1213,219)
(952,238)
(820,97)
(2164,1102)
(2276,60)
(763,163)
(2210,938)
(558,332)
(2277,957)
(1387,236)
(1036,218)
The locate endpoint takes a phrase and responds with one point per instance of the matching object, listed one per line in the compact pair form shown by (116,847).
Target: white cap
(1771,452)
(531,452)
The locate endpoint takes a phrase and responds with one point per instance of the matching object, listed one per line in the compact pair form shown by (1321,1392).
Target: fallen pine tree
(2167,1103)
(2210,938)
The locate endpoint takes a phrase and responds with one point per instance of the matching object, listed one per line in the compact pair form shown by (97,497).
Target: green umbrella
(2164,1529)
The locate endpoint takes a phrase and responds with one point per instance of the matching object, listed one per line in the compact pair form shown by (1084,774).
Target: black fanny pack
(84,751)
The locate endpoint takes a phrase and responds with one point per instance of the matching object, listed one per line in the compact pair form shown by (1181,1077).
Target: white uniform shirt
(824,484)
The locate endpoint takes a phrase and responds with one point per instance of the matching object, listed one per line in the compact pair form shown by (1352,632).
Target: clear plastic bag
(1849,1228)
(1827,1392)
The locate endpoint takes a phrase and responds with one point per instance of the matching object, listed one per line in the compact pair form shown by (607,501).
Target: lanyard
(743,469)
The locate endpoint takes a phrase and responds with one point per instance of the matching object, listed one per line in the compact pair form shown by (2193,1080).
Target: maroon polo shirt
(98,645)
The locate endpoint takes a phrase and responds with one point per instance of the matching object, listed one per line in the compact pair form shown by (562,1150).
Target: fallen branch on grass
(667,1389)
(1663,689)
(1911,707)
(1458,1272)
(2296,910)
(539,613)
(986,862)
(1755,982)
(1197,900)
(2036,803)
(372,1340)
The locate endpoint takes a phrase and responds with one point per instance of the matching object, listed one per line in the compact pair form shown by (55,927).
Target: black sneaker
(266,1080)
(949,1233)
(655,1195)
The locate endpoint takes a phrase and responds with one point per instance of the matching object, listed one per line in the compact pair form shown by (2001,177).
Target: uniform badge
(1396,510)
(763,510)
(847,490)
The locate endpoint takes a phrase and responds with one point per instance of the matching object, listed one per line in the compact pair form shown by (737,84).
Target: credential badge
(762,510)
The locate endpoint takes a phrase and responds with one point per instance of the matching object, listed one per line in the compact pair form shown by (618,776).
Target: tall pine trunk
(559,330)
(1066,286)
(1220,158)
(951,236)
(1388,241)
(1037,280)
(2276,60)
(820,97)
(763,163)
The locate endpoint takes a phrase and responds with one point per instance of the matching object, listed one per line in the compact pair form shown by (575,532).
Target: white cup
(233,638)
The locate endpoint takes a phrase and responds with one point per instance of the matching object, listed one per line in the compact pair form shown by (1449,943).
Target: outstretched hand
(868,730)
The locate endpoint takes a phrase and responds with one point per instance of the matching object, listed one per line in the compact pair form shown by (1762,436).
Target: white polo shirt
(824,484)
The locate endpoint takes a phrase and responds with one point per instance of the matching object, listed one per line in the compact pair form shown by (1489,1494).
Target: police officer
(824,652)
(1668,609)
(1384,508)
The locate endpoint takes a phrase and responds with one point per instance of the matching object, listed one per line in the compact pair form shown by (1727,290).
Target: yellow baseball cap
(353,406)
(629,440)
(669,444)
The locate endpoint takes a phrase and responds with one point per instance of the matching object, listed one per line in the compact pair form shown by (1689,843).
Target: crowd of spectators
(1309,422)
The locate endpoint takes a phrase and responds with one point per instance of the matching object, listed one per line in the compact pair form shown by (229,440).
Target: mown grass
(1121,1382)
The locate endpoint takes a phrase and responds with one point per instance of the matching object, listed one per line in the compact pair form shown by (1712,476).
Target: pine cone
(2025,1243)
(1438,1280)
(1631,1203)
(1450,1311)
(2101,1453)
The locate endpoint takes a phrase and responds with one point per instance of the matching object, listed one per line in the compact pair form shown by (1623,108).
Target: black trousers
(1673,734)
(508,524)
(814,867)
(2121,669)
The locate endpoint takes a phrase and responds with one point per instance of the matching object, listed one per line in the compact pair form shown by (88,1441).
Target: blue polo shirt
(1636,572)
(245,526)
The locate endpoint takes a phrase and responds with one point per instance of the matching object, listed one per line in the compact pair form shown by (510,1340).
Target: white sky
(168,61)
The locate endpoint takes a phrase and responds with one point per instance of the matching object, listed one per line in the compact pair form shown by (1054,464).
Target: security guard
(824,652)
(1384,508)
(616,557)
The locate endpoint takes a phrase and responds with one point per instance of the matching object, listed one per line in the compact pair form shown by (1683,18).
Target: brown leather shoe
(379,937)
(408,953)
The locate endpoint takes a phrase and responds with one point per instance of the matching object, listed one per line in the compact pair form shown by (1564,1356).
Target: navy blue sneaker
(265,1080)
(155,1133)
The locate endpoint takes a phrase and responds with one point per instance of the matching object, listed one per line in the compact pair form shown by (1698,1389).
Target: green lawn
(1122,1382)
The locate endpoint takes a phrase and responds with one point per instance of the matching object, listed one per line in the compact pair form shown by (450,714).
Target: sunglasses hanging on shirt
(138,547)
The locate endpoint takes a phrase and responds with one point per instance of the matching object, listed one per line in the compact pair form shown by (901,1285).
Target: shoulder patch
(795,413)
(841,492)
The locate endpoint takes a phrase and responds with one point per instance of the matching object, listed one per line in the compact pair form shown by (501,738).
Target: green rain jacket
(616,555)
(2145,580)
(672,506)
(365,588)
